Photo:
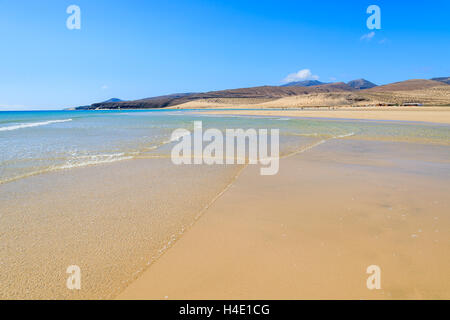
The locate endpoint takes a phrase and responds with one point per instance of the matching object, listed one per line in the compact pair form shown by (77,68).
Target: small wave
(345,135)
(79,161)
(32,124)
(176,137)
(94,159)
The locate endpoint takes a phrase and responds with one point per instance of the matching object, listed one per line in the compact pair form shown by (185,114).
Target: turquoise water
(36,142)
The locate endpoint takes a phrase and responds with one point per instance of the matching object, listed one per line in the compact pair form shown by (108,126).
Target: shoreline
(437,115)
(112,220)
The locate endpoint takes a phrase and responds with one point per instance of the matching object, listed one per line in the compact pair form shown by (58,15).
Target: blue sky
(137,49)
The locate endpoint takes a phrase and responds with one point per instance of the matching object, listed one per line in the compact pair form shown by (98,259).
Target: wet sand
(111,220)
(311,231)
(426,114)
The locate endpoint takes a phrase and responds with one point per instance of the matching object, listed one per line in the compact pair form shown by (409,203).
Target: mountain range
(304,83)
(361,84)
(358,84)
(443,79)
(299,94)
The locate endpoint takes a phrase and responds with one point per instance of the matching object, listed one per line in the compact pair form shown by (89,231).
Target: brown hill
(415,84)
(416,91)
(257,94)
(154,102)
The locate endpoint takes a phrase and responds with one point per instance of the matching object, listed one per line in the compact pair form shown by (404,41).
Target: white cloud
(304,74)
(104,87)
(368,36)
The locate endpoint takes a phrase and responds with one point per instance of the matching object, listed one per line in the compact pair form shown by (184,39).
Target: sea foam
(32,124)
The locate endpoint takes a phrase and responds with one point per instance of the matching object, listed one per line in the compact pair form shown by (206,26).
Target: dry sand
(311,231)
(426,114)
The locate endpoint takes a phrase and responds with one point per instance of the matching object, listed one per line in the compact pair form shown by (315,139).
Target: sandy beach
(425,114)
(311,231)
(349,194)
